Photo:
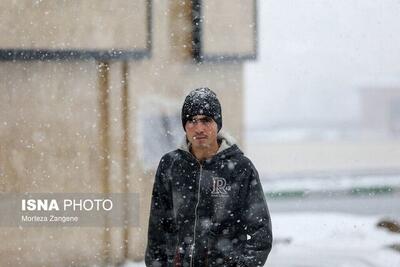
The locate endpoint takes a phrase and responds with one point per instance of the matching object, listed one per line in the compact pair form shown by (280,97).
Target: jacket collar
(226,141)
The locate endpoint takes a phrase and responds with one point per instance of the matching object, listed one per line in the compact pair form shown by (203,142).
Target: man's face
(201,131)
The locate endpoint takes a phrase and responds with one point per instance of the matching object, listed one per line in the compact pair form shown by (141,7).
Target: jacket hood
(227,142)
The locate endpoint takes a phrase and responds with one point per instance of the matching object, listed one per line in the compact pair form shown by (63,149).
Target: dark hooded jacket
(210,213)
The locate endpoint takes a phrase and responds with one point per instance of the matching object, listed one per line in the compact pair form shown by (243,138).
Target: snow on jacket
(210,213)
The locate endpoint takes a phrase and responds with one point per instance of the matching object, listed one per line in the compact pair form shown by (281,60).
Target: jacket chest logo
(220,188)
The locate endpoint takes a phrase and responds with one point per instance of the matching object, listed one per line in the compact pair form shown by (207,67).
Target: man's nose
(199,128)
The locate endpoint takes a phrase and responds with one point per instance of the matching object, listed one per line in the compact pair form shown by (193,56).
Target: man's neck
(205,153)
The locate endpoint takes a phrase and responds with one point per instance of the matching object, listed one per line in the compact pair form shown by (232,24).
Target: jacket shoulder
(245,164)
(169,157)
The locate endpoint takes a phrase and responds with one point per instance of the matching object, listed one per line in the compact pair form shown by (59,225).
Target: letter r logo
(219,187)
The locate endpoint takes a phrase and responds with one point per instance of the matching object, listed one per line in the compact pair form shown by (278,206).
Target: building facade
(90,98)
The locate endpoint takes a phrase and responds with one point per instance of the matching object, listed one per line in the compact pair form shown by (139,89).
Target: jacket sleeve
(161,221)
(257,222)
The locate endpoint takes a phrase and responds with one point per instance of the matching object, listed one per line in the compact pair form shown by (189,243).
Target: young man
(208,207)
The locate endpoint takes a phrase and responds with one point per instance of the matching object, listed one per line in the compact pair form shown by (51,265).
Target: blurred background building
(90,98)
(323,95)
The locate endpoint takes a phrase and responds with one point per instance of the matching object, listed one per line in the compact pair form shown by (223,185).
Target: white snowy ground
(340,183)
(328,239)
(331,239)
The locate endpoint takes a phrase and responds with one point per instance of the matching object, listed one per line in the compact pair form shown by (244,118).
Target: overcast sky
(315,56)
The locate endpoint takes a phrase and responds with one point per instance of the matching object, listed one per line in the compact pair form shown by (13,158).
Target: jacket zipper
(195,217)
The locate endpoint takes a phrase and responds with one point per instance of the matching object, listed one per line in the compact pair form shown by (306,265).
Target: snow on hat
(202,101)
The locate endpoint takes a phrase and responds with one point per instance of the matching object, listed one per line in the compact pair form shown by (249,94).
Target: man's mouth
(198,137)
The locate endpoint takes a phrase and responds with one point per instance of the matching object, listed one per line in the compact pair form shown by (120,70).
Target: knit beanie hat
(202,101)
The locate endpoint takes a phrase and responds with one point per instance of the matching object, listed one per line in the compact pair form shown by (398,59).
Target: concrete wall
(313,157)
(90,24)
(71,126)
(49,143)
(380,110)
